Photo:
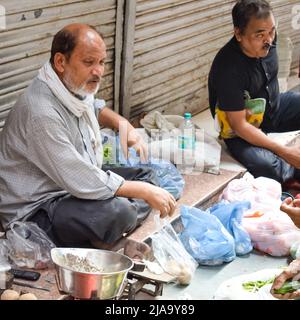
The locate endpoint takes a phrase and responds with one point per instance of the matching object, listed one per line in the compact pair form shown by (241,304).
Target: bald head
(72,35)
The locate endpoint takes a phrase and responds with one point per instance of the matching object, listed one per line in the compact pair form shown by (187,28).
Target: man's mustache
(95,78)
(268,46)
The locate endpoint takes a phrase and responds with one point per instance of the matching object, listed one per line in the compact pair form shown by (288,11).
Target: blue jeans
(263,162)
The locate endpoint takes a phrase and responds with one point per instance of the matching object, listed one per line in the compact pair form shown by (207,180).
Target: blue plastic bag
(168,176)
(230,215)
(205,238)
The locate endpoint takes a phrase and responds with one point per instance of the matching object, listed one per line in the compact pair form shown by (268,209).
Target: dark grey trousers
(73,222)
(263,162)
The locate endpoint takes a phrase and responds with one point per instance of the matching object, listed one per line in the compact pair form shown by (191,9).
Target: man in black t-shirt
(244,95)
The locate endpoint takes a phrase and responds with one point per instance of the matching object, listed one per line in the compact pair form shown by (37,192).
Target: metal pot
(90,273)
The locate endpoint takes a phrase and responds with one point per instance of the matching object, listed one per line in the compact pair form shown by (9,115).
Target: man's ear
(59,62)
(237,33)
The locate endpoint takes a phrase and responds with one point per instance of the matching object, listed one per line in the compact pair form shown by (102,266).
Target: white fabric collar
(80,108)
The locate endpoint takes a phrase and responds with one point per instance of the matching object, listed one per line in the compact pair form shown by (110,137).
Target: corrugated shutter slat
(25,44)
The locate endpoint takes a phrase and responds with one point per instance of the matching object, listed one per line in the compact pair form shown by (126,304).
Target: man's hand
(156,197)
(292,208)
(129,137)
(291,272)
(291,154)
(161,200)
(254,136)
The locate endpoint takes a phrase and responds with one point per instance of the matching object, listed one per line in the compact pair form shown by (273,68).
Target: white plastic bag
(274,232)
(271,230)
(232,289)
(163,131)
(263,193)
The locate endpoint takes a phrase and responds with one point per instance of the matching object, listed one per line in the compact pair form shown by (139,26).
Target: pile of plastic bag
(271,230)
(163,131)
(262,193)
(216,235)
(274,232)
(169,177)
(231,215)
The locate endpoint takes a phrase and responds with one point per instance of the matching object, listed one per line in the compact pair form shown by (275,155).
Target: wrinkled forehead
(261,25)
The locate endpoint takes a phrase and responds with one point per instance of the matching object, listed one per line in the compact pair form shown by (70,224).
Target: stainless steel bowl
(90,273)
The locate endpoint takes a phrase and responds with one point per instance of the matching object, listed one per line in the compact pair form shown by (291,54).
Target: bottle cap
(187,115)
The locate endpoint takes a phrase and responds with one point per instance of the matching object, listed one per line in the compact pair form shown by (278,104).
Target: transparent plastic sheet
(28,245)
(205,238)
(234,288)
(110,147)
(4,263)
(171,254)
(207,153)
(163,132)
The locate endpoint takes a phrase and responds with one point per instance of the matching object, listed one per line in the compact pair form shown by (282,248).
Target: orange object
(255,214)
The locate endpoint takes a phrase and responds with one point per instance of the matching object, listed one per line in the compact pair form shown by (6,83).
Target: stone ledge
(198,189)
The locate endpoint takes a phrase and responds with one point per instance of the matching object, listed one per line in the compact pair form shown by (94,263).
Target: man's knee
(275,168)
(265,170)
(125,216)
(261,162)
(150,176)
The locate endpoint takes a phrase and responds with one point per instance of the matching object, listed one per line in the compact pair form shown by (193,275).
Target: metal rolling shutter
(167,51)
(283,12)
(174,44)
(25,43)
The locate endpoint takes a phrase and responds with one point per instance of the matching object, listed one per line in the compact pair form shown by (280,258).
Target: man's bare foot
(136,250)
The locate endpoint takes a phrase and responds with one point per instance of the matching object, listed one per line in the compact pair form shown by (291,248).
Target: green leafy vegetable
(107,153)
(288,286)
(254,286)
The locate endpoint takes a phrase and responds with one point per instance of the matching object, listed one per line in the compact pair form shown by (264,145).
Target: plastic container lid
(187,115)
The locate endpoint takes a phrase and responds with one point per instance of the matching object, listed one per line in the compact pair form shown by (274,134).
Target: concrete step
(198,189)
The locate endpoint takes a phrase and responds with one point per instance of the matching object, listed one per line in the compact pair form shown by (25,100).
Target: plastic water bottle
(187,142)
